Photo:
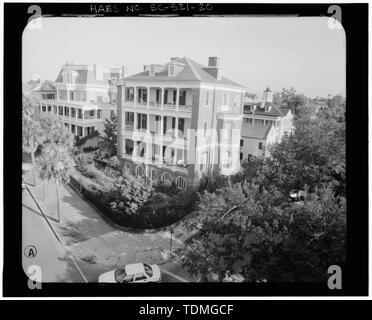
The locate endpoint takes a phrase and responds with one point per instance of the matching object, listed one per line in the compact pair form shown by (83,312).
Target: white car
(132,273)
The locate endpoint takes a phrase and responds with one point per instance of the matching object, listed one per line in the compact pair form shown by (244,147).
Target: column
(124,120)
(176,128)
(148,152)
(174,156)
(148,97)
(161,125)
(177,98)
(161,155)
(135,149)
(162,99)
(148,123)
(135,95)
(135,121)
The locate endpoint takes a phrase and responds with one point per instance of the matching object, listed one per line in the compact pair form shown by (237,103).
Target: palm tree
(32,132)
(56,160)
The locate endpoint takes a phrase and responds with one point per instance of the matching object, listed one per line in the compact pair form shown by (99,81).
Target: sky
(299,52)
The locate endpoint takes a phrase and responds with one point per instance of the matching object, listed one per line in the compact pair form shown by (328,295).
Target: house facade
(179,121)
(81,97)
(264,124)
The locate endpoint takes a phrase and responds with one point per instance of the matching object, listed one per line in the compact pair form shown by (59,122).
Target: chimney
(122,72)
(214,62)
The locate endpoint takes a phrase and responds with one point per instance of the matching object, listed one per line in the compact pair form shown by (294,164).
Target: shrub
(129,194)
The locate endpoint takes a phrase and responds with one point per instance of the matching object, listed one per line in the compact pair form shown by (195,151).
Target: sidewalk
(89,238)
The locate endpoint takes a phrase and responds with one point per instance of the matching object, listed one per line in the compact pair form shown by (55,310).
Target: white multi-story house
(179,121)
(264,124)
(81,97)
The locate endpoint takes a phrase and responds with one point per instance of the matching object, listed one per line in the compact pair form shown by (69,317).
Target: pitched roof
(256,131)
(275,110)
(86,76)
(192,71)
(268,89)
(47,86)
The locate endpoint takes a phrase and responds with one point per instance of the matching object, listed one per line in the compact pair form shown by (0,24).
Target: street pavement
(88,245)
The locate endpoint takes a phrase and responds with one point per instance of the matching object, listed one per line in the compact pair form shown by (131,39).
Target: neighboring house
(81,97)
(179,121)
(264,123)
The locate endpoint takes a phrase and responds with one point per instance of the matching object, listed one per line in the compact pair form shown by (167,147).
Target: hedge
(145,218)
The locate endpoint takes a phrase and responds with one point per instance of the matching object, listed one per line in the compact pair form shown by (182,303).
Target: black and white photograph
(164,148)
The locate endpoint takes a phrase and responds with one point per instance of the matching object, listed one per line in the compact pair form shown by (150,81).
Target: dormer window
(69,76)
(171,70)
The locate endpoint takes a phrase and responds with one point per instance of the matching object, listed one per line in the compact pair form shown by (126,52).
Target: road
(64,263)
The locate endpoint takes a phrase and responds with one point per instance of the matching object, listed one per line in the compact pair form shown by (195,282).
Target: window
(166,178)
(225,100)
(99,114)
(142,121)
(248,120)
(129,278)
(228,130)
(181,183)
(55,109)
(43,108)
(139,171)
(207,98)
(140,277)
(148,270)
(205,127)
(241,142)
(80,114)
(153,175)
(73,112)
(241,156)
(236,100)
(67,111)
(120,274)
(181,125)
(203,162)
(73,128)
(60,111)
(182,99)
(129,94)
(171,70)
(71,95)
(152,71)
(49,108)
(260,145)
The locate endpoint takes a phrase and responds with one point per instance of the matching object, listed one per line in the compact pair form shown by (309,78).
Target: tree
(251,96)
(129,194)
(249,226)
(32,132)
(108,143)
(252,231)
(293,100)
(56,162)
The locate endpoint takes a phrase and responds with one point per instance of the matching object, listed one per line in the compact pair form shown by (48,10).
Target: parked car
(296,195)
(132,273)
